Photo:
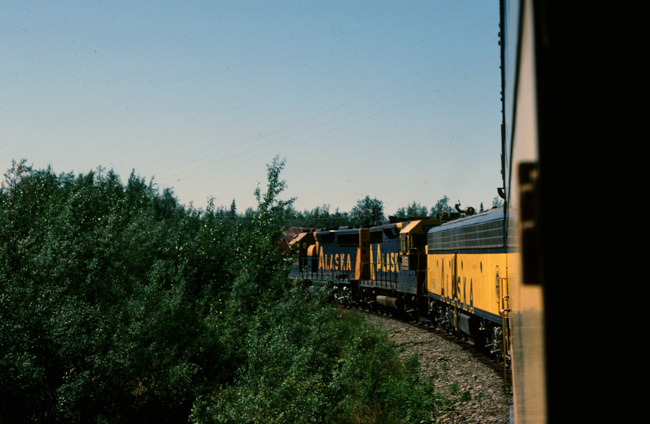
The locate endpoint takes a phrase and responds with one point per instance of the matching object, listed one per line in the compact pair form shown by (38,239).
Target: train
(450,272)
(494,276)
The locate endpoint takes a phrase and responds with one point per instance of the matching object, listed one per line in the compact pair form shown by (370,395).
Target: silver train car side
(542,70)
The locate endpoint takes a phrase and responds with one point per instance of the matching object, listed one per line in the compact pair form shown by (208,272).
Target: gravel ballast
(475,388)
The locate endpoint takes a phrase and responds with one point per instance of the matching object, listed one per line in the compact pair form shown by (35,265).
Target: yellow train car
(467,278)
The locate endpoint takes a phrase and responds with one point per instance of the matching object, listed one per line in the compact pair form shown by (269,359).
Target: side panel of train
(337,255)
(466,277)
(327,256)
(378,286)
(397,271)
(470,282)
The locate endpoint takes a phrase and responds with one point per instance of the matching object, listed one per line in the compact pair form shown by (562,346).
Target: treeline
(368,211)
(118,304)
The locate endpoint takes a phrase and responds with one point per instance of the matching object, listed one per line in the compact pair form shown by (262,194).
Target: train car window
(482,235)
(480,232)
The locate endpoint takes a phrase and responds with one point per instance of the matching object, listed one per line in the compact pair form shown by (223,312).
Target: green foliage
(319,217)
(413,210)
(497,202)
(441,206)
(117,305)
(104,288)
(307,362)
(368,211)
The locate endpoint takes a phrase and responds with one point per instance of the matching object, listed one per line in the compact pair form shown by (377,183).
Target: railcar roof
(487,216)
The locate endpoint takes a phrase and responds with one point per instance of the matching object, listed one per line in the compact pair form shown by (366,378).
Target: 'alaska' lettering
(386,262)
(334,261)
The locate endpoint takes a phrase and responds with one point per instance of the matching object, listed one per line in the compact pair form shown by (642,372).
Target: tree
(441,206)
(104,291)
(367,212)
(497,202)
(319,217)
(412,210)
(268,203)
(233,209)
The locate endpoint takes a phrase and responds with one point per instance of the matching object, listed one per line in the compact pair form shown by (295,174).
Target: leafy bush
(104,290)
(117,304)
(308,362)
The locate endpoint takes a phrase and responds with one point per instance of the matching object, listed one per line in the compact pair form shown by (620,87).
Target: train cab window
(404,244)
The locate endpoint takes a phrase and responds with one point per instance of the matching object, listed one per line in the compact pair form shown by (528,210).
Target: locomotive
(380,266)
(450,273)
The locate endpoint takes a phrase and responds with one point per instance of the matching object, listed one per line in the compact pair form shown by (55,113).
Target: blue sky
(398,100)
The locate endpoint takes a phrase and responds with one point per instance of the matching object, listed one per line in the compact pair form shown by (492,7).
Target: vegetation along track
(473,383)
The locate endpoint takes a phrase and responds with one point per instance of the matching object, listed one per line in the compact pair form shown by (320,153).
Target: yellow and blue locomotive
(451,274)
(383,267)
(394,267)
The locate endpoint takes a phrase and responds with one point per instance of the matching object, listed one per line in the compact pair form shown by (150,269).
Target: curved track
(465,343)
(472,382)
